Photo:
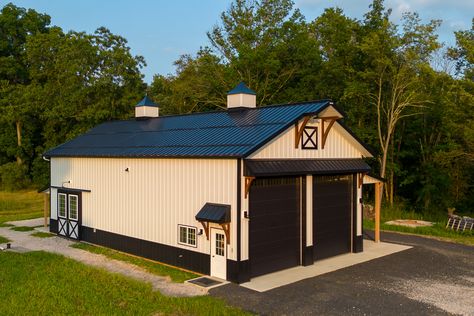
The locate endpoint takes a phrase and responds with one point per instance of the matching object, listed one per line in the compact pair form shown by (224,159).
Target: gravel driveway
(432,278)
(22,241)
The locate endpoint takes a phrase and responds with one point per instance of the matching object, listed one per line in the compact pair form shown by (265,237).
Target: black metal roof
(267,167)
(231,133)
(214,213)
(241,88)
(146,101)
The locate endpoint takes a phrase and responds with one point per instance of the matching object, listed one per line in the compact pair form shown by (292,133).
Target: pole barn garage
(234,194)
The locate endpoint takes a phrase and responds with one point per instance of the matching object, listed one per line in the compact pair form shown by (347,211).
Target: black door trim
(68,192)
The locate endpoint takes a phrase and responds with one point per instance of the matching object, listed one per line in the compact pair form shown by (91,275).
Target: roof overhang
(280,167)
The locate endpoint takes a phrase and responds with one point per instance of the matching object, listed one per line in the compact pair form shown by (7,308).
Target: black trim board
(184,258)
(238,271)
(359,244)
(354,210)
(53,225)
(70,189)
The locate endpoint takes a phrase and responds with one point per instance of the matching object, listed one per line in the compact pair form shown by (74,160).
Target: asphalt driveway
(432,278)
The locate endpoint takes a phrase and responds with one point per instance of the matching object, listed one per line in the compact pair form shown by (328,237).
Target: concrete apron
(280,278)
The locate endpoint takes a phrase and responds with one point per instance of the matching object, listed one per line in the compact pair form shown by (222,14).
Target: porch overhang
(215,213)
(283,167)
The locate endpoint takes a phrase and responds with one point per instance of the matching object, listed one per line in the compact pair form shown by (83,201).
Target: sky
(163,30)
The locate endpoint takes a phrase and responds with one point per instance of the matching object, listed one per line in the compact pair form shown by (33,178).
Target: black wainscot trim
(238,271)
(191,260)
(308,256)
(53,225)
(359,244)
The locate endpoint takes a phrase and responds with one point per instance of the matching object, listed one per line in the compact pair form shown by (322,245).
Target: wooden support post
(325,131)
(248,183)
(226,228)
(361,179)
(206,229)
(299,130)
(378,201)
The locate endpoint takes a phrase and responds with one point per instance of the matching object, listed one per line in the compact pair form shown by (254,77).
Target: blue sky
(161,31)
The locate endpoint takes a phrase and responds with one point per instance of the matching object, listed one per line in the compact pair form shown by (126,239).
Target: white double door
(218,254)
(68,215)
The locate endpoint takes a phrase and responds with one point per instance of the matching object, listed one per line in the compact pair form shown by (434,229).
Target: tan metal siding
(54,204)
(244,205)
(153,197)
(339,144)
(309,210)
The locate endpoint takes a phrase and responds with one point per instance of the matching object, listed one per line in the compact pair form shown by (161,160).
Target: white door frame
(218,253)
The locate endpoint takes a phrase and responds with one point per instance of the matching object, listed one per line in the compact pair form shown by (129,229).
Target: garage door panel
(274,224)
(332,200)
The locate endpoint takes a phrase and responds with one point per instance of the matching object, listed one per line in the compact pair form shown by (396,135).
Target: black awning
(265,167)
(214,213)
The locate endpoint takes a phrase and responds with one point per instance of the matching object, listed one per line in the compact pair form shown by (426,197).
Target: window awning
(279,167)
(214,213)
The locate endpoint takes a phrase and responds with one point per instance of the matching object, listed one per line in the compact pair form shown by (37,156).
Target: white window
(187,235)
(62,205)
(73,207)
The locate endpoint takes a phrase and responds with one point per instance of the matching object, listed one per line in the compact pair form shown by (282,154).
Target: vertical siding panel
(152,198)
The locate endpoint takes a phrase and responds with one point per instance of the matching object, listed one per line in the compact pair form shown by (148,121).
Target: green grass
(176,275)
(15,206)
(42,235)
(41,283)
(438,230)
(22,228)
(3,240)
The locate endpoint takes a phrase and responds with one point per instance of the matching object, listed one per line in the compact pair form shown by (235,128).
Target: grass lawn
(437,230)
(41,283)
(15,206)
(151,266)
(3,240)
(42,235)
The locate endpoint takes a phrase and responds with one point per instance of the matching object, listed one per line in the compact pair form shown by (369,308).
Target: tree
(16,26)
(266,44)
(463,53)
(395,63)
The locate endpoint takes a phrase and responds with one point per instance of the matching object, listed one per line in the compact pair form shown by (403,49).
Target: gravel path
(22,241)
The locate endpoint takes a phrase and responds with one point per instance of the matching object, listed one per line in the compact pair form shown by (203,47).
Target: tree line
(405,93)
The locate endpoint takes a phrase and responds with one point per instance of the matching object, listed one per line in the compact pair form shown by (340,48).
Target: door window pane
(73,207)
(62,204)
(219,244)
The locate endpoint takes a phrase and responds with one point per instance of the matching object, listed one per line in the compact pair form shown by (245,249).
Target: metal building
(234,194)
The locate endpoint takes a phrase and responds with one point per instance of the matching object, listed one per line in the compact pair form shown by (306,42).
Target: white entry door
(218,254)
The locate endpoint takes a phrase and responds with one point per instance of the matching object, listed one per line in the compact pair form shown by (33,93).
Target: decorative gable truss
(318,136)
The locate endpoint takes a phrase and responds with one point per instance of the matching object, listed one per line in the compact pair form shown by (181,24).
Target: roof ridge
(227,110)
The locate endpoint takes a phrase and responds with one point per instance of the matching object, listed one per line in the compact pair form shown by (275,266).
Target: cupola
(146,108)
(241,97)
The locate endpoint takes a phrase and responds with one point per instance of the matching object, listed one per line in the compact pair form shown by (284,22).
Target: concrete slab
(280,278)
(29,222)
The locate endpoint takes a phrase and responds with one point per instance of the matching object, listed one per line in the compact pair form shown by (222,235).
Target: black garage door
(332,198)
(274,224)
